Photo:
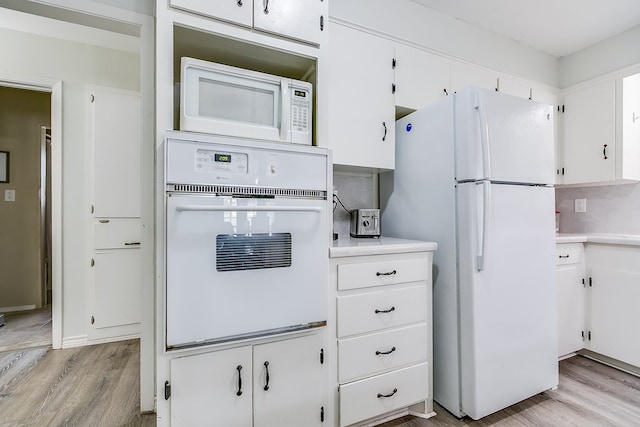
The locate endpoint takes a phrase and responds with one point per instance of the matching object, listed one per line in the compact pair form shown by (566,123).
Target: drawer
(365,274)
(383,309)
(364,399)
(117,233)
(569,253)
(382,351)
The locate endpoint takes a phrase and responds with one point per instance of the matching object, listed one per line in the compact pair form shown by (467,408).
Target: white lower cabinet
(571,297)
(273,384)
(383,336)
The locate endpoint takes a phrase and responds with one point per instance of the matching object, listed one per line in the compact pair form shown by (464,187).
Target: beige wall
(22,113)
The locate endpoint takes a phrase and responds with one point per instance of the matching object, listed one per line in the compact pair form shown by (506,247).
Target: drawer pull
(378,353)
(564,256)
(390,273)
(132,243)
(385,311)
(380,395)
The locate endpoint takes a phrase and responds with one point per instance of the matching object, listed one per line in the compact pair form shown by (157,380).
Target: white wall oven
(246,239)
(225,100)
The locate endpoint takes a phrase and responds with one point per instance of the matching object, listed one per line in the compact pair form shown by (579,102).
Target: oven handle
(199,208)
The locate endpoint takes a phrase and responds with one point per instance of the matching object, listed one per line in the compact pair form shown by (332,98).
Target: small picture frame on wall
(4,166)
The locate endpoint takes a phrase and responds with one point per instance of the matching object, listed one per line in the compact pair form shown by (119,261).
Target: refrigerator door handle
(486,213)
(484,139)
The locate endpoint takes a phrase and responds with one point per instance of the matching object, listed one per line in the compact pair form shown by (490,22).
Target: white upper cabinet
(361,100)
(236,11)
(465,75)
(297,19)
(421,77)
(589,134)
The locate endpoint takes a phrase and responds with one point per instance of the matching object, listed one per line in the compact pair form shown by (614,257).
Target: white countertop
(377,246)
(611,239)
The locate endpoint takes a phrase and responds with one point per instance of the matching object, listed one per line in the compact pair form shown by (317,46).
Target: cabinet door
(287,380)
(513,86)
(116,295)
(589,134)
(630,150)
(361,101)
(212,389)
(570,308)
(614,314)
(464,75)
(298,19)
(236,11)
(114,127)
(421,77)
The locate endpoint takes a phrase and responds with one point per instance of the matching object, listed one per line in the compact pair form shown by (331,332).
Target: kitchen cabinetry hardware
(635,117)
(393,88)
(531,95)
(321,22)
(589,335)
(239,3)
(445,91)
(132,243)
(590,282)
(385,311)
(390,273)
(564,256)
(93,209)
(93,320)
(393,63)
(93,262)
(380,353)
(604,151)
(239,369)
(167,390)
(497,84)
(103,221)
(322,414)
(266,7)
(322,356)
(380,395)
(266,367)
(384,137)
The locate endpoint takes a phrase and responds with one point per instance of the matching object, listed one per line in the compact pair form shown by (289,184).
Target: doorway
(25,249)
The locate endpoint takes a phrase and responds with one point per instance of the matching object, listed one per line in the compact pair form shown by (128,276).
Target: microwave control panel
(300,106)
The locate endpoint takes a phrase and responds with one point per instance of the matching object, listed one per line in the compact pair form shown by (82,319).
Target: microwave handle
(200,208)
(285,118)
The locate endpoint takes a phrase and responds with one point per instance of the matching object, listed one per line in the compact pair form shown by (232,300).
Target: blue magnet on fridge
(409,127)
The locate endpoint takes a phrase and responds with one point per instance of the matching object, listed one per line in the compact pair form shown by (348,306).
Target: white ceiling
(557,27)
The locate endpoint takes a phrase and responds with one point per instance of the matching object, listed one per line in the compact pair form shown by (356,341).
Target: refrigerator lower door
(508,318)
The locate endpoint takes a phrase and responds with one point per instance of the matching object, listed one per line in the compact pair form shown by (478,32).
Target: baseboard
(114,339)
(77,341)
(17,308)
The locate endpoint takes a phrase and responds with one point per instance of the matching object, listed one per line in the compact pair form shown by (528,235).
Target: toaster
(365,223)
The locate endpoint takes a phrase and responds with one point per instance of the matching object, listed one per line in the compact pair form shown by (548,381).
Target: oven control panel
(221,161)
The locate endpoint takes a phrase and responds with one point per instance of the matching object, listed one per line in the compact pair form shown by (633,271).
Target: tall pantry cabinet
(273,380)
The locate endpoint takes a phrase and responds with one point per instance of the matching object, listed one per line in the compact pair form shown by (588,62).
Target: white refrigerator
(474,173)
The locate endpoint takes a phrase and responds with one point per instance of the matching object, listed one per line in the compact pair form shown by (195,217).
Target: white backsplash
(610,209)
(355,192)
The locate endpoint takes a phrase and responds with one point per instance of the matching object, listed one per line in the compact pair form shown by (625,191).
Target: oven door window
(252,252)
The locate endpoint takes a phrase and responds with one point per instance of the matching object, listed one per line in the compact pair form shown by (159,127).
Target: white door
(287,380)
(570,308)
(503,138)
(298,19)
(507,288)
(212,389)
(237,11)
(238,266)
(421,77)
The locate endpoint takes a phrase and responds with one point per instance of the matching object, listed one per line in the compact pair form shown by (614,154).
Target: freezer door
(508,318)
(503,138)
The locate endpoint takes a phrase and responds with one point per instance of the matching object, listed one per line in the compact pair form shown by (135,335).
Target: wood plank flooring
(86,386)
(99,386)
(590,394)
(26,329)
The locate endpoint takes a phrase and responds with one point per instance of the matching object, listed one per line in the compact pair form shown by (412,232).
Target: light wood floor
(99,386)
(26,329)
(590,394)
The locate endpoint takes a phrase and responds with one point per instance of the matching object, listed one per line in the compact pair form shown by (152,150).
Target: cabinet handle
(604,152)
(390,273)
(445,91)
(380,395)
(266,7)
(239,3)
(266,367)
(239,392)
(384,137)
(132,243)
(385,311)
(378,353)
(564,256)
(104,221)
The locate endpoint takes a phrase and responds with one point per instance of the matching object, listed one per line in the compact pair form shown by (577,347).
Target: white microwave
(225,100)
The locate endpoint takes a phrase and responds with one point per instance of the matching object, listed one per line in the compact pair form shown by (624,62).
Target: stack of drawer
(384,334)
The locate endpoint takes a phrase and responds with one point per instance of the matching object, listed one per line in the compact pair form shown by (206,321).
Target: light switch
(581,205)
(9,195)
